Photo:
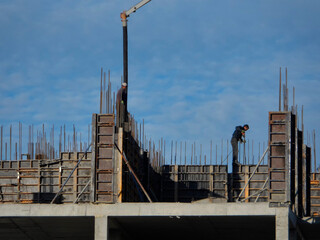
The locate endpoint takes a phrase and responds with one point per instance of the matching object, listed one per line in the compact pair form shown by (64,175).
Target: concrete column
(282,224)
(101,228)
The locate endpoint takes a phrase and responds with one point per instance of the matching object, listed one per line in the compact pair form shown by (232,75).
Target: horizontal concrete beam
(141,209)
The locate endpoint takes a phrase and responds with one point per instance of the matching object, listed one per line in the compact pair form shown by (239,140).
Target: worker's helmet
(246,125)
(124,84)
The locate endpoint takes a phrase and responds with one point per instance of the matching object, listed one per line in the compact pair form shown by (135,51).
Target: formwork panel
(104,152)
(28,188)
(8,198)
(277,185)
(106,118)
(104,177)
(278,197)
(278,138)
(8,173)
(104,186)
(278,150)
(106,130)
(277,175)
(83,180)
(194,182)
(281,138)
(7,164)
(104,164)
(278,128)
(315,194)
(8,189)
(105,139)
(277,162)
(104,198)
(257,183)
(29,181)
(49,188)
(277,116)
(84,172)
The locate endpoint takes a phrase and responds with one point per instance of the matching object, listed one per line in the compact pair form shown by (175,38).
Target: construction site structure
(116,189)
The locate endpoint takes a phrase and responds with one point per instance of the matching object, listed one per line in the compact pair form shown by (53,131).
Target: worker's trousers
(234,144)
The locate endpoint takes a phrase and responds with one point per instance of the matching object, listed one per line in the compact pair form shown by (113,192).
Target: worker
(238,135)
(121,101)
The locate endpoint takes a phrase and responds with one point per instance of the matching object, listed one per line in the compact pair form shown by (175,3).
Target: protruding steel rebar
(216,154)
(1,142)
(101,95)
(180,153)
(287,92)
(211,152)
(280,91)
(10,142)
(221,151)
(302,125)
(314,152)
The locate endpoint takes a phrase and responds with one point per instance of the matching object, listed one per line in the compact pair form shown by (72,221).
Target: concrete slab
(144,221)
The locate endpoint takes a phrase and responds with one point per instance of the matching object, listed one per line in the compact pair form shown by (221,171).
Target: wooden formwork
(137,158)
(256,189)
(281,160)
(315,194)
(186,183)
(37,181)
(102,167)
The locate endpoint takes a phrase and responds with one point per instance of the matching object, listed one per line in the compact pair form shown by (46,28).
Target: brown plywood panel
(106,130)
(278,150)
(29,180)
(104,198)
(277,185)
(277,138)
(107,187)
(277,116)
(104,177)
(65,155)
(278,197)
(6,173)
(277,162)
(105,152)
(106,118)
(105,139)
(29,189)
(277,175)
(104,164)
(278,128)
(84,172)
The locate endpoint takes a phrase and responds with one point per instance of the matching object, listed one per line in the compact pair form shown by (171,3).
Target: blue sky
(196,68)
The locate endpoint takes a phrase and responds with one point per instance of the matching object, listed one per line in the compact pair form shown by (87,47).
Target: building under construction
(119,187)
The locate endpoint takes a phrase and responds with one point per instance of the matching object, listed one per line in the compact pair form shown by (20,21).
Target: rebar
(280,92)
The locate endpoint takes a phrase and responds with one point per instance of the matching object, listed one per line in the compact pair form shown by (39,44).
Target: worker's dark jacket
(237,134)
(121,96)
